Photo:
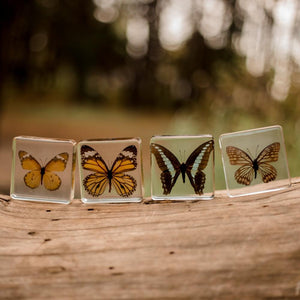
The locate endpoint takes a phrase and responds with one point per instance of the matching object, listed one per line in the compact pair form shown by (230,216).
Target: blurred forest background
(115,68)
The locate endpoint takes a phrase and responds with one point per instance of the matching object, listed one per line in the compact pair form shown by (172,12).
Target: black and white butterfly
(171,167)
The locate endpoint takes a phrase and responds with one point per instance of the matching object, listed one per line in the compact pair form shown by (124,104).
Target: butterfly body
(102,176)
(109,177)
(183,171)
(43,175)
(171,167)
(255,167)
(249,167)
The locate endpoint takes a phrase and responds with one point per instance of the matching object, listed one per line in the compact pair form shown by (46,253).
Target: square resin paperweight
(110,170)
(255,161)
(182,167)
(43,169)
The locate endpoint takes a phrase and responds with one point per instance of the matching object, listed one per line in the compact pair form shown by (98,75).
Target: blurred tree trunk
(144,83)
(7,15)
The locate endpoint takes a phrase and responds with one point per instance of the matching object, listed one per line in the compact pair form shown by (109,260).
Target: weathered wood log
(226,248)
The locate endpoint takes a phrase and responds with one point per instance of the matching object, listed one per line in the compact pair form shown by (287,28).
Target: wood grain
(226,248)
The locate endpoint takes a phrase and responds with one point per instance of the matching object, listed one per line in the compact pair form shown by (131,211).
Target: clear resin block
(254,161)
(43,169)
(110,170)
(182,167)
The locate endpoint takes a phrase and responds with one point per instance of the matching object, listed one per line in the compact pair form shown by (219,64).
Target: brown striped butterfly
(251,167)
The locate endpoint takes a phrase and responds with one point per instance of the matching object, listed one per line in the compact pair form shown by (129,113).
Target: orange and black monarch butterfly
(171,167)
(45,175)
(250,167)
(95,183)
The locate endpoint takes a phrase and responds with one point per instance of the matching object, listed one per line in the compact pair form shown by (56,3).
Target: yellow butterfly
(39,175)
(96,183)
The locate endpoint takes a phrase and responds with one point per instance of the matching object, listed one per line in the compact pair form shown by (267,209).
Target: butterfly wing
(267,172)
(91,160)
(267,155)
(51,180)
(197,162)
(125,161)
(33,178)
(95,183)
(168,164)
(58,163)
(124,184)
(244,174)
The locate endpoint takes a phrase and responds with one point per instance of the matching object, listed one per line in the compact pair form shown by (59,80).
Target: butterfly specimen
(39,175)
(95,183)
(250,167)
(171,167)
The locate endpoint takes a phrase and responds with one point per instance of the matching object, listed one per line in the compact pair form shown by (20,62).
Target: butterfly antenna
(109,164)
(43,161)
(256,151)
(250,153)
(182,155)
